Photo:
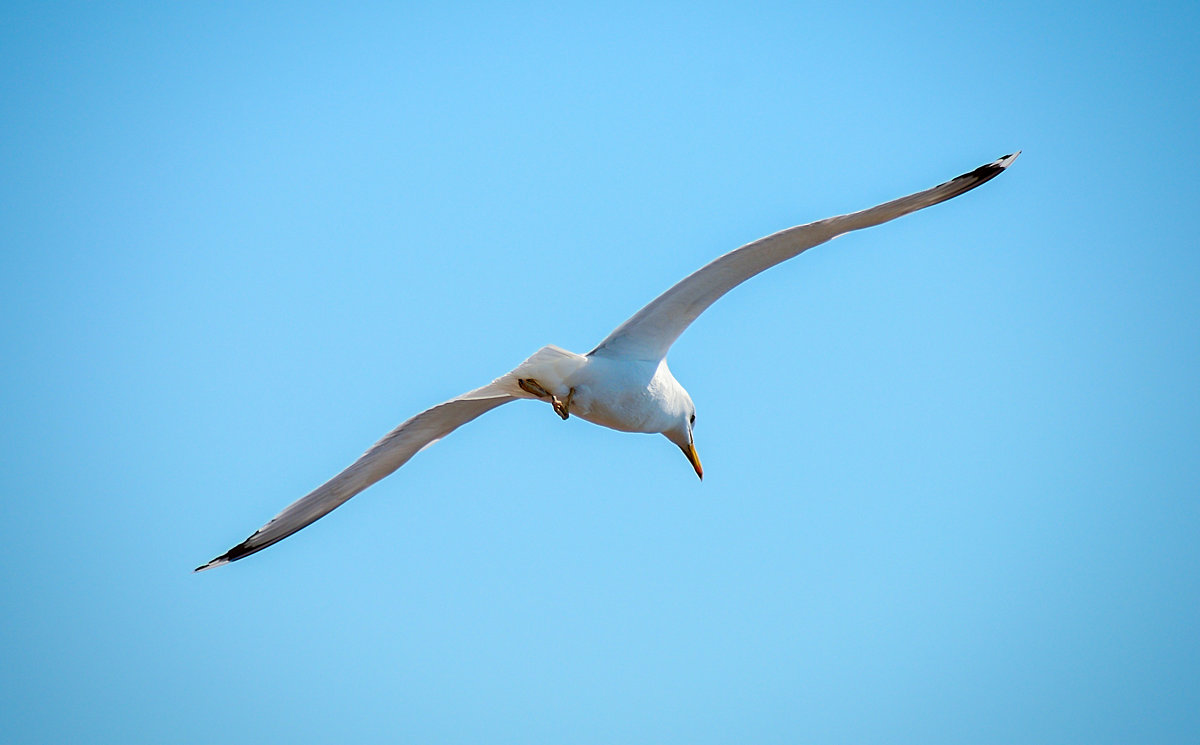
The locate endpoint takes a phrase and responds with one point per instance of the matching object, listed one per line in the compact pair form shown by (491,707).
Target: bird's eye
(693,420)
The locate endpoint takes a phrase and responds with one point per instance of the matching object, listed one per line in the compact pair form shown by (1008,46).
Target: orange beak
(693,458)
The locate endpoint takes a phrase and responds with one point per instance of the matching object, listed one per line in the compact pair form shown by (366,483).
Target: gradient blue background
(953,469)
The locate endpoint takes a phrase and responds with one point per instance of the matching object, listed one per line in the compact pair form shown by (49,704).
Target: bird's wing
(653,329)
(384,457)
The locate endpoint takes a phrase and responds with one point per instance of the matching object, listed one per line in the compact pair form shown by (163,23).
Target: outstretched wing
(651,332)
(384,457)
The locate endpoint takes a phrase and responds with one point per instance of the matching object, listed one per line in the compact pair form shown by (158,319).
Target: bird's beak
(693,458)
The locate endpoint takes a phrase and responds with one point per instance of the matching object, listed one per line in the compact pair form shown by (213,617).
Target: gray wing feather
(384,457)
(649,334)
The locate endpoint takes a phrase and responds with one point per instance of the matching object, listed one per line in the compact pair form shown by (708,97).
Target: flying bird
(623,383)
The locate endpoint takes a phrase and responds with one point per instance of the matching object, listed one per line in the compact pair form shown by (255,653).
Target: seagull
(623,384)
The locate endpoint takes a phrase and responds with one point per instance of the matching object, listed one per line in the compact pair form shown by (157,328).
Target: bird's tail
(550,366)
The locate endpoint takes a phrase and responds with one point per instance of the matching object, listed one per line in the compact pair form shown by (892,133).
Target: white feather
(624,383)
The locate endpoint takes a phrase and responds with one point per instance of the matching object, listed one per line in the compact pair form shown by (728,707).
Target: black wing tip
(981,175)
(214,563)
(239,551)
(991,170)
(1002,162)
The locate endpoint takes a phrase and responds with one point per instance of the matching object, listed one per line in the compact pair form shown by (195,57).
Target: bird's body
(628,395)
(623,384)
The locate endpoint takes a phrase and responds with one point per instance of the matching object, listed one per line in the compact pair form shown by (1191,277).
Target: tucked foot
(563,408)
(529,385)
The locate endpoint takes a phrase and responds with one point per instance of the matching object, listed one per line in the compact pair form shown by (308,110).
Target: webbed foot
(563,408)
(531,386)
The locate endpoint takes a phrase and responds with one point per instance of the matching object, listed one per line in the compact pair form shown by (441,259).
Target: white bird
(623,383)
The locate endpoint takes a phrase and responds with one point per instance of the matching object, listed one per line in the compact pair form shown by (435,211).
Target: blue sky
(952,464)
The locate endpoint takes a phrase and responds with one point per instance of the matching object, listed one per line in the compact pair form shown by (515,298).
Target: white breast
(626,395)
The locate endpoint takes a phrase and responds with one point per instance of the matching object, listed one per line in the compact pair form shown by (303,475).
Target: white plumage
(624,383)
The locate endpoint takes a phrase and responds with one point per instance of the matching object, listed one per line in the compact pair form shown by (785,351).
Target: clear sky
(952,487)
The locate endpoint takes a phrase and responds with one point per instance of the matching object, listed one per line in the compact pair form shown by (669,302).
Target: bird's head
(681,435)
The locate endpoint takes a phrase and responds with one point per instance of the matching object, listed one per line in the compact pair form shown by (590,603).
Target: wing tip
(998,165)
(982,174)
(1007,160)
(212,564)
(233,554)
